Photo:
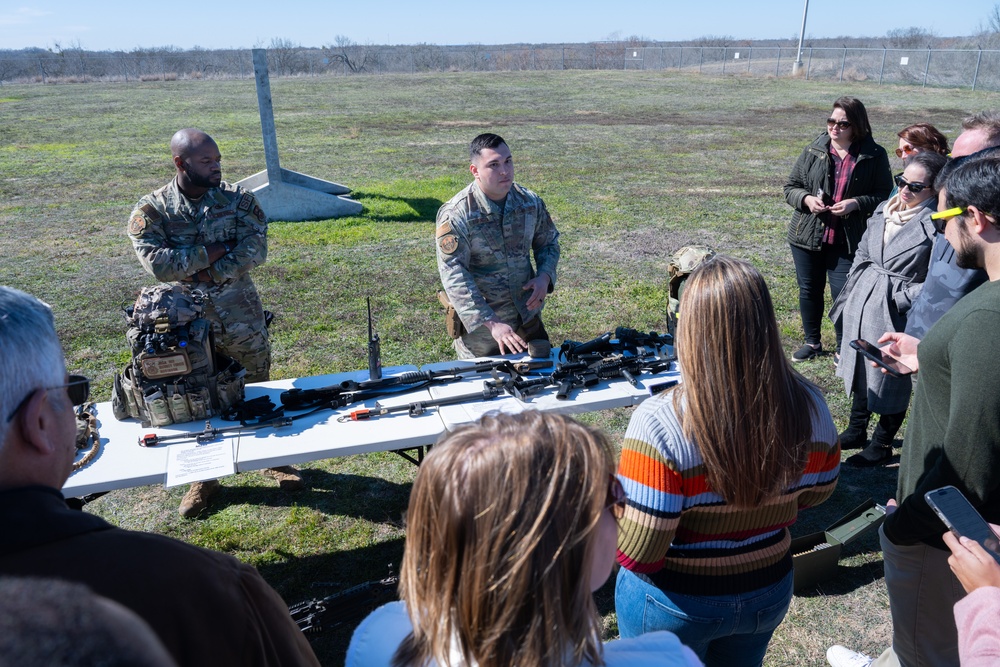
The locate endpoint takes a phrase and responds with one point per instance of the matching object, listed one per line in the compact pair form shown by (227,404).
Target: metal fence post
(882,67)
(843,64)
(749,58)
(725,57)
(809,64)
(927,66)
(701,58)
(777,65)
(975,76)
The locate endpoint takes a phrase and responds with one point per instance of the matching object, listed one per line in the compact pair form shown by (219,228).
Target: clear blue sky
(116,24)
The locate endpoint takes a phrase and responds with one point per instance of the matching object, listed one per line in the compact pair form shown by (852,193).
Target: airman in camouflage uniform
(486,235)
(208,234)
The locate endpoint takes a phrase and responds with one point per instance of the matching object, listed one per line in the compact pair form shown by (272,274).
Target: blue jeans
(729,630)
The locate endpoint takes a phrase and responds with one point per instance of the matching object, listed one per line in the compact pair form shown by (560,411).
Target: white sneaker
(841,656)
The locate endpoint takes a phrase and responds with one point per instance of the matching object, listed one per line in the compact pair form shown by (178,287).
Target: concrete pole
(268,130)
(797,65)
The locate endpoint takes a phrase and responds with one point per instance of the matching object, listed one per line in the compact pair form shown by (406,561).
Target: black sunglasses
(915,188)
(78,390)
(842,124)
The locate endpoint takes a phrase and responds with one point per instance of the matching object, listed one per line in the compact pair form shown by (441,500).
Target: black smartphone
(872,351)
(962,518)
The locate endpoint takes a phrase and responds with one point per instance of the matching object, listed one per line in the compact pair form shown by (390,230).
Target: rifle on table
(590,370)
(350,605)
(623,340)
(417,408)
(211,433)
(350,391)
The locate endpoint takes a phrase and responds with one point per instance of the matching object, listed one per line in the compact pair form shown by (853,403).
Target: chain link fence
(959,68)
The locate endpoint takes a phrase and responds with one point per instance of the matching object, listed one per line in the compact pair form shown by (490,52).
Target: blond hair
(741,403)
(498,545)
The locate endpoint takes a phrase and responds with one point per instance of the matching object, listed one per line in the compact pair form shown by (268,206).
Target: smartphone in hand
(962,518)
(893,366)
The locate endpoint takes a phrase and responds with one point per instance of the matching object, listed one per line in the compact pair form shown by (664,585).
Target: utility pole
(797,65)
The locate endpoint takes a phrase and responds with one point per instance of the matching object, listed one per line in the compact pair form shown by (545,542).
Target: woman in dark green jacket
(834,188)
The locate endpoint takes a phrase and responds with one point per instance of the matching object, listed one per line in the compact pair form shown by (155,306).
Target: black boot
(856,435)
(879,452)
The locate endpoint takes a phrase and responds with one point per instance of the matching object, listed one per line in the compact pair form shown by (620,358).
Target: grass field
(632,166)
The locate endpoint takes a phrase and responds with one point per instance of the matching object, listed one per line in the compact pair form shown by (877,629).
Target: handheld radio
(374,349)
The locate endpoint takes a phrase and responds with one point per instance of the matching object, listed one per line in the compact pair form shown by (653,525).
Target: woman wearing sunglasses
(511,526)
(715,472)
(921,137)
(834,188)
(887,275)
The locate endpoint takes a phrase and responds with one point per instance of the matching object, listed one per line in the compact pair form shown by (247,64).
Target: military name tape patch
(443,228)
(136,224)
(448,243)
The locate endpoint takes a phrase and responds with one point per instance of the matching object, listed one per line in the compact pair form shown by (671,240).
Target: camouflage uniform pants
(237,317)
(480,343)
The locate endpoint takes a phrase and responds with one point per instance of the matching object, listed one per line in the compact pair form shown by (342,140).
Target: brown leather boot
(196,498)
(288,478)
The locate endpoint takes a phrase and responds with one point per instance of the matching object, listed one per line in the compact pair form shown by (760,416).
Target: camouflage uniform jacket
(169,233)
(483,253)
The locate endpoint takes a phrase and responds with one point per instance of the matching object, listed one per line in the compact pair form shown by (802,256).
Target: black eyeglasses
(915,188)
(617,498)
(78,390)
(842,124)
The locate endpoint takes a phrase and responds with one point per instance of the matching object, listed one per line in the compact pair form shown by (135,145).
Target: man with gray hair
(206,607)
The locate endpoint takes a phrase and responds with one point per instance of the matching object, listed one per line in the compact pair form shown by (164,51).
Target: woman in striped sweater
(716,471)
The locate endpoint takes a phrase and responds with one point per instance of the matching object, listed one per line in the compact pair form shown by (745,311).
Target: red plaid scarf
(843,169)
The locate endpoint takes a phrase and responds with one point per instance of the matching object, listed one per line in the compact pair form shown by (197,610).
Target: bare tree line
(343,56)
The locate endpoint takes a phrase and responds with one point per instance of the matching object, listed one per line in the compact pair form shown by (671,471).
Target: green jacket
(870,186)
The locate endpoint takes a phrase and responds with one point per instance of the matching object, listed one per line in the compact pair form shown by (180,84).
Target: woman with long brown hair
(715,472)
(511,526)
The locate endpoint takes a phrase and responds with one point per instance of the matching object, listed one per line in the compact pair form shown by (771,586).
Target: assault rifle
(351,605)
(589,370)
(623,340)
(350,391)
(211,433)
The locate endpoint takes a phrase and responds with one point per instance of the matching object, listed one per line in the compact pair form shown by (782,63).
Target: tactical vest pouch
(175,375)
(229,384)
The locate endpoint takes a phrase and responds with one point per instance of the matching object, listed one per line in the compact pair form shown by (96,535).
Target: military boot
(196,498)
(288,478)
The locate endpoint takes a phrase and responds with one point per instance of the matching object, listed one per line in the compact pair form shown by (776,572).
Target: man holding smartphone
(954,432)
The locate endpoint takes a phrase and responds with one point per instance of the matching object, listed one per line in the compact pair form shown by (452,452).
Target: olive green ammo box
(815,556)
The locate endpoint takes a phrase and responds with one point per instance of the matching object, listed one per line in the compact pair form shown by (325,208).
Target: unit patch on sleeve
(448,243)
(137,224)
(245,202)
